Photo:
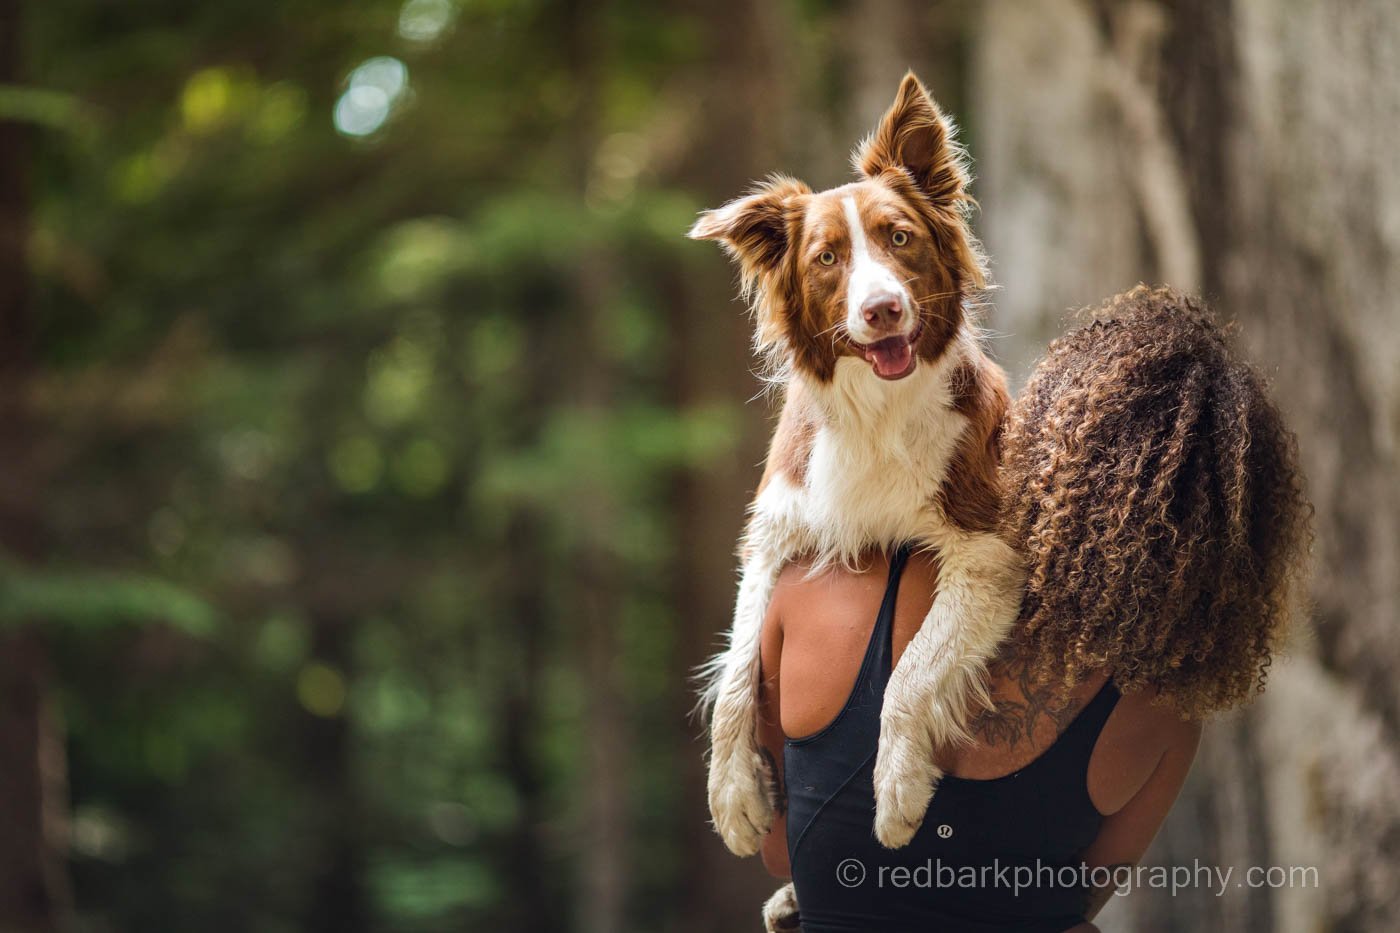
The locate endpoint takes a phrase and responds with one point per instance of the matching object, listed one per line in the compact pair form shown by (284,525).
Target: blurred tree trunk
(1246,148)
(590,381)
(33,792)
(890,37)
(533,903)
(736,137)
(337,900)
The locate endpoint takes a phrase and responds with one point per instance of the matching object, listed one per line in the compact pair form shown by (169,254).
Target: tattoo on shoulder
(1013,721)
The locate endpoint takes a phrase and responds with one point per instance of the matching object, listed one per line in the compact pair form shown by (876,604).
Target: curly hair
(1155,490)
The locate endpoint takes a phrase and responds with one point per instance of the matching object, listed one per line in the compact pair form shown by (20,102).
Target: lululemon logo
(944,831)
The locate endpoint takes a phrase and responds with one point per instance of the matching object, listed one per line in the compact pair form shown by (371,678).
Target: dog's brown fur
(881,271)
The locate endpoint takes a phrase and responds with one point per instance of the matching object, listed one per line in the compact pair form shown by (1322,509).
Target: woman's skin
(815,635)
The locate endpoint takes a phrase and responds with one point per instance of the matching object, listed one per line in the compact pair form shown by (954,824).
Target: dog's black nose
(881,310)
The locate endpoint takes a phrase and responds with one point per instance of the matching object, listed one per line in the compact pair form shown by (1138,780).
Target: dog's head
(877,269)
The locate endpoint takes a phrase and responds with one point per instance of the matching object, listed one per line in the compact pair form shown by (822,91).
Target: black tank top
(979,839)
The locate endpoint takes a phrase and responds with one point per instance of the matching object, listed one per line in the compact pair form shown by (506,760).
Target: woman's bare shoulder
(1150,716)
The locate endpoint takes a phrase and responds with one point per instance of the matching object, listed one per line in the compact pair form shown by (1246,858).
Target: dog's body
(888,435)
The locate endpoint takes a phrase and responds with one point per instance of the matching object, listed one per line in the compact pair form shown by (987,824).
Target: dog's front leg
(940,674)
(741,778)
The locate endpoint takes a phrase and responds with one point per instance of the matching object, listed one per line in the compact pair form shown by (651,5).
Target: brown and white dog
(888,434)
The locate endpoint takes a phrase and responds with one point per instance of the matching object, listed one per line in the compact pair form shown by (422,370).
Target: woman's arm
(1126,834)
(770,739)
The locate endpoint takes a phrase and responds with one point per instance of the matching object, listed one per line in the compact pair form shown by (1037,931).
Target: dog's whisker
(934,296)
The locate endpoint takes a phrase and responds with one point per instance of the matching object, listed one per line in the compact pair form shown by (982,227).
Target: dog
(863,298)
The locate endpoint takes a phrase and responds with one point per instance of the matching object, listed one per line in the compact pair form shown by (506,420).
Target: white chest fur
(875,467)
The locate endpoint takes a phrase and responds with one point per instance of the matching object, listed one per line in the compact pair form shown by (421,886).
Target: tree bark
(33,788)
(597,578)
(1245,148)
(736,136)
(532,905)
(337,901)
(889,37)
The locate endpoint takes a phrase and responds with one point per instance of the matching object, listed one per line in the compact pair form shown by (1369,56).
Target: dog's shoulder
(790,449)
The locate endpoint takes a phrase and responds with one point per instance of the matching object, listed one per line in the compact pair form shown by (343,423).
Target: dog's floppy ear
(915,136)
(756,229)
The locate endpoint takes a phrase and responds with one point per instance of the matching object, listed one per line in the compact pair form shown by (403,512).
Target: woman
(1155,491)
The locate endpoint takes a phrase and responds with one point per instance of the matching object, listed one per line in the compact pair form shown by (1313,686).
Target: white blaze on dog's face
(869,266)
(877,269)
(880,313)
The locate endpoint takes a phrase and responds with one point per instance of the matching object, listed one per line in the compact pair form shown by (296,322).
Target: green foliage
(88,601)
(49,109)
(357,321)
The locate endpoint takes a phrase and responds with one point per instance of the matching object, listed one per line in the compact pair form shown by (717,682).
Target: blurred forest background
(373,445)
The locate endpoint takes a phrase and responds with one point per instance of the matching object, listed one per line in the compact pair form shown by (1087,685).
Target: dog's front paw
(905,779)
(741,804)
(780,914)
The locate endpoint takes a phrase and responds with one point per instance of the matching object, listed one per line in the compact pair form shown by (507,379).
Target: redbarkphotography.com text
(1018,877)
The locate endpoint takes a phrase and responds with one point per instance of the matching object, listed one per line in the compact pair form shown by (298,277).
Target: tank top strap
(879,653)
(858,722)
(1070,753)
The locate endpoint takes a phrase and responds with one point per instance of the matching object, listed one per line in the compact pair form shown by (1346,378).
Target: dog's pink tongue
(890,357)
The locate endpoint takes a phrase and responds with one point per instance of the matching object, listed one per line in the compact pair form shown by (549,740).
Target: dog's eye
(899,238)
(827,258)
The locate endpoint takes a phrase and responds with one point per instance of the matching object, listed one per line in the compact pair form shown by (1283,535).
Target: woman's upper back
(1018,795)
(820,626)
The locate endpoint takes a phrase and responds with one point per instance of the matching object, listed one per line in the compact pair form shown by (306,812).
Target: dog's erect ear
(915,135)
(756,228)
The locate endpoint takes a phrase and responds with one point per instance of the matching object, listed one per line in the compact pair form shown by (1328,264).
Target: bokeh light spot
(281,110)
(370,94)
(419,255)
(384,72)
(356,464)
(452,823)
(425,20)
(361,110)
(399,378)
(421,469)
(206,99)
(321,689)
(282,642)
